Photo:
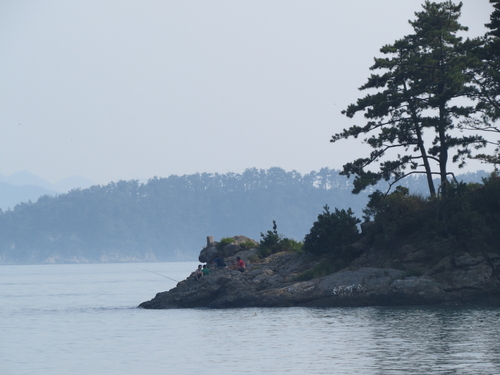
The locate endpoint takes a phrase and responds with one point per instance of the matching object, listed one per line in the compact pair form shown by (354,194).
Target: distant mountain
(11,195)
(26,178)
(23,186)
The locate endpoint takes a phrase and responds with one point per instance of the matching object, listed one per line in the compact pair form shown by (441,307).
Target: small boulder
(208,254)
(230,250)
(211,251)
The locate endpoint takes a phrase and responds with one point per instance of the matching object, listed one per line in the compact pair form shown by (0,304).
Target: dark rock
(211,251)
(208,254)
(466,260)
(272,282)
(230,250)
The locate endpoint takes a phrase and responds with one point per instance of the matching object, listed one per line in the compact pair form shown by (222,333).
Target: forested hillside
(169,218)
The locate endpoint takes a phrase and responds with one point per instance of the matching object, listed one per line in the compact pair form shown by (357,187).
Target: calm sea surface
(83,319)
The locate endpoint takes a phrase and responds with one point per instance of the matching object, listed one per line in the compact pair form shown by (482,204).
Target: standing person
(205,270)
(240,265)
(198,274)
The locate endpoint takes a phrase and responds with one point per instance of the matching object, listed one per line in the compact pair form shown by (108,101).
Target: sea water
(83,319)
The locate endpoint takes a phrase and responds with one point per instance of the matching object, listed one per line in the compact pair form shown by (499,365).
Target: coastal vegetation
(434,247)
(273,242)
(164,218)
(433,102)
(432,81)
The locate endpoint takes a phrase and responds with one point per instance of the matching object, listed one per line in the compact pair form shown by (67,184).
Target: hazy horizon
(114,90)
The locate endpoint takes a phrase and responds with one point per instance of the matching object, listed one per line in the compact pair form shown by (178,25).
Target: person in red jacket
(240,265)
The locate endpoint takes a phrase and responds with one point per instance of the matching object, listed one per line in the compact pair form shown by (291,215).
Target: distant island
(164,218)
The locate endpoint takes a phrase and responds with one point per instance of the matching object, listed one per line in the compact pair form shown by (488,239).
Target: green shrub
(224,242)
(305,276)
(332,233)
(272,242)
(253,258)
(269,241)
(466,220)
(399,213)
(474,216)
(248,245)
(289,244)
(326,267)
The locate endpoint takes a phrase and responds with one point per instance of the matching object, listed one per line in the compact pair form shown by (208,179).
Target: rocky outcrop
(213,250)
(370,280)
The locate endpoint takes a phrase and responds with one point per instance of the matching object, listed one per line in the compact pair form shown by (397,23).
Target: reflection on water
(422,340)
(376,340)
(81,319)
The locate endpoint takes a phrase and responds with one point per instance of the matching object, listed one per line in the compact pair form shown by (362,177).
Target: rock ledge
(271,282)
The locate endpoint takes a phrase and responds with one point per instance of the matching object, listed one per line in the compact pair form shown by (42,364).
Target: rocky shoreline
(369,281)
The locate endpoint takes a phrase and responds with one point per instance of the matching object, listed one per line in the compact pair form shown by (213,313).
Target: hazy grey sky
(113,90)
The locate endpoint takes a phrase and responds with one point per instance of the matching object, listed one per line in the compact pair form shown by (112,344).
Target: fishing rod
(159,274)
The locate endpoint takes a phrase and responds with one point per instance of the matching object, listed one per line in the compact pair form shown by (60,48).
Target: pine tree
(492,63)
(423,74)
(487,78)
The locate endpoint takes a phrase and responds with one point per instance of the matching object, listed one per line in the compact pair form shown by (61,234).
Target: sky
(118,90)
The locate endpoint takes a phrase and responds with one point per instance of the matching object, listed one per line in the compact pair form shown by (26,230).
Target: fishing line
(159,274)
